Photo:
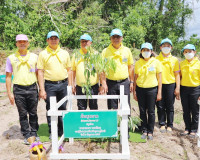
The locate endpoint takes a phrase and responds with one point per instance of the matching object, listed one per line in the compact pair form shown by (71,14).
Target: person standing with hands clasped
(147,88)
(170,86)
(190,90)
(22,65)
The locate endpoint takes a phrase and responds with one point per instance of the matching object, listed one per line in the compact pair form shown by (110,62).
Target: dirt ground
(164,146)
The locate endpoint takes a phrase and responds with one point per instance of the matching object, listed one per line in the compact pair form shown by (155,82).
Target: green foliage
(140,21)
(132,123)
(93,64)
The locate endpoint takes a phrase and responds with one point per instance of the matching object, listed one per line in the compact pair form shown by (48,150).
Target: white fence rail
(123,111)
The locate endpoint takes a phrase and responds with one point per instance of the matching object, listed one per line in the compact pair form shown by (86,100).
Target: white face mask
(166,50)
(146,54)
(189,55)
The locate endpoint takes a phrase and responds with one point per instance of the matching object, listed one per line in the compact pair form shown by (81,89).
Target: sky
(193,23)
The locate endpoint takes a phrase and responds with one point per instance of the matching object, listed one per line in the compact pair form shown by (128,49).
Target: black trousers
(59,91)
(146,101)
(165,107)
(189,99)
(114,89)
(82,103)
(26,99)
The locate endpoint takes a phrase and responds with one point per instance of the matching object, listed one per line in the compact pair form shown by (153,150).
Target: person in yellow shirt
(22,65)
(190,89)
(124,73)
(53,68)
(170,86)
(78,75)
(147,88)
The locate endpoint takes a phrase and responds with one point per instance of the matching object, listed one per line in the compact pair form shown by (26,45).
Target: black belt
(56,82)
(25,87)
(119,81)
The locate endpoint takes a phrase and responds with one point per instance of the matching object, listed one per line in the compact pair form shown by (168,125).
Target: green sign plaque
(90,124)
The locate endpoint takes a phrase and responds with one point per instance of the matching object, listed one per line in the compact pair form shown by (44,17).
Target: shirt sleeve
(136,67)
(9,66)
(68,61)
(73,63)
(176,67)
(130,58)
(158,67)
(40,62)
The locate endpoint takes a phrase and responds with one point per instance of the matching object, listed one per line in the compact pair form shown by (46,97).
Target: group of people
(159,80)
(156,81)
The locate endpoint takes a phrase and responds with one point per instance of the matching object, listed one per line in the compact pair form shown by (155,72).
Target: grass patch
(136,137)
(43,132)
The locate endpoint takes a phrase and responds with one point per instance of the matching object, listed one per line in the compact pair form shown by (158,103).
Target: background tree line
(140,21)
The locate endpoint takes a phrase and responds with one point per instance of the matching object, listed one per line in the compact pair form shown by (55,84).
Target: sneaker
(50,136)
(192,135)
(162,129)
(144,136)
(169,129)
(150,137)
(26,141)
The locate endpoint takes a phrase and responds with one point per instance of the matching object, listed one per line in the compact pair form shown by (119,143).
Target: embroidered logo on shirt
(32,70)
(151,68)
(124,59)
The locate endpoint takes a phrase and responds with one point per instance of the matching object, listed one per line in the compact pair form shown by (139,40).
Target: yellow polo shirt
(146,71)
(170,65)
(190,72)
(23,74)
(122,57)
(54,70)
(78,66)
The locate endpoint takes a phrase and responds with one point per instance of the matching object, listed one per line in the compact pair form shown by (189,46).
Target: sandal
(150,137)
(185,133)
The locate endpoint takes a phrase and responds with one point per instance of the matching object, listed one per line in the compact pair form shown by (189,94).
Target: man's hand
(43,94)
(131,87)
(159,97)
(11,98)
(103,89)
(177,93)
(74,90)
(135,96)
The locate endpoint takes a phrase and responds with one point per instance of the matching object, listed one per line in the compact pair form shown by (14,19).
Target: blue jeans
(59,91)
